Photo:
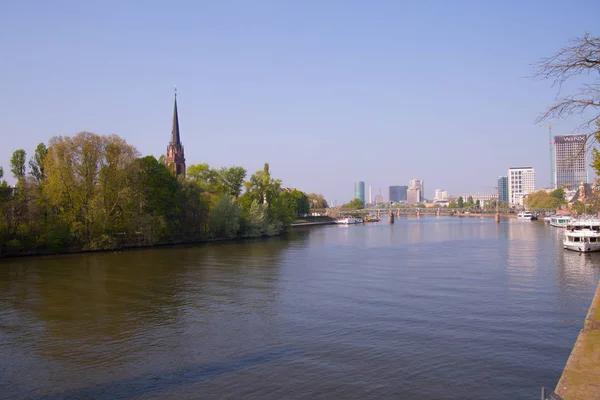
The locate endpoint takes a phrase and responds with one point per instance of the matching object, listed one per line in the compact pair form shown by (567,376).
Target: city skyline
(251,91)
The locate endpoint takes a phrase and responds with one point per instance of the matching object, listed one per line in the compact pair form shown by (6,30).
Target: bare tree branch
(580,57)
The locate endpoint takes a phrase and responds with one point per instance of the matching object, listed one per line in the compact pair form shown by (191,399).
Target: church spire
(175,154)
(175,139)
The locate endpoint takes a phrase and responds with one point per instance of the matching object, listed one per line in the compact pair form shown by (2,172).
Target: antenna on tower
(551,150)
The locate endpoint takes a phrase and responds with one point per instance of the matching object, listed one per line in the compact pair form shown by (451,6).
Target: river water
(429,308)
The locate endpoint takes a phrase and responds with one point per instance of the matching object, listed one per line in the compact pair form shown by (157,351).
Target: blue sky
(327,92)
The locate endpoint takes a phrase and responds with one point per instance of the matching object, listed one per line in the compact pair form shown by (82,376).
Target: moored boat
(582,235)
(526,215)
(560,221)
(349,221)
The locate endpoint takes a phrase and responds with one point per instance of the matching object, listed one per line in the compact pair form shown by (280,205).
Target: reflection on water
(424,308)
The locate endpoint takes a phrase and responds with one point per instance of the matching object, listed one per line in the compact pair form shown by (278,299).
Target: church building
(175,154)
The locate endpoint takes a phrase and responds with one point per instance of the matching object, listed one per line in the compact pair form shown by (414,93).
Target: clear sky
(328,92)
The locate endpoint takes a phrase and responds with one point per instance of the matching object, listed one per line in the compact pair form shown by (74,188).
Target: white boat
(525,215)
(560,221)
(348,221)
(582,235)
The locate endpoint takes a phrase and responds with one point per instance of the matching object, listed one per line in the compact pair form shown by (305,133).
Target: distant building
(397,194)
(413,196)
(359,191)
(570,158)
(503,189)
(370,197)
(482,198)
(378,198)
(521,182)
(417,184)
(440,194)
(175,154)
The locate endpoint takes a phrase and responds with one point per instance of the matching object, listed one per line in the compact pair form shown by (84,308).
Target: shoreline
(134,248)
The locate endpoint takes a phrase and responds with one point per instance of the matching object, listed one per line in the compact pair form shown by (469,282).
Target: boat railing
(548,394)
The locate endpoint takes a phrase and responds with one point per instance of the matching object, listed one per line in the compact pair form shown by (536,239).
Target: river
(429,308)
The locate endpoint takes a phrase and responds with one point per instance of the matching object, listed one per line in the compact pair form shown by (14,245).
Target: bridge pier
(398,213)
(418,214)
(497,218)
(437,213)
(391,218)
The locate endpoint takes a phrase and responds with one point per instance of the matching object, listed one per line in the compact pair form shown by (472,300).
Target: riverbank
(44,253)
(580,379)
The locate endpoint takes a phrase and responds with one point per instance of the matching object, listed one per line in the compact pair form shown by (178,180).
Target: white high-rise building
(570,156)
(417,184)
(521,181)
(440,194)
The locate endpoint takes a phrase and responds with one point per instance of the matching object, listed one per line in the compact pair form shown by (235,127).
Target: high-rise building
(521,181)
(359,191)
(413,196)
(570,161)
(175,154)
(418,184)
(397,194)
(370,197)
(503,189)
(440,195)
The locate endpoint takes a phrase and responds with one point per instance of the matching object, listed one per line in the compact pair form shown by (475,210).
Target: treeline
(92,192)
(543,199)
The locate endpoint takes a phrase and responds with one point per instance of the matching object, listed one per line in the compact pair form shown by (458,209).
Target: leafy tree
(297,201)
(355,204)
(460,202)
(579,207)
(317,201)
(452,204)
(206,177)
(162,159)
(231,180)
(478,204)
(559,194)
(17,164)
(225,217)
(36,164)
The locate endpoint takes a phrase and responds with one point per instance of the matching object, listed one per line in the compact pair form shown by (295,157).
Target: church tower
(175,155)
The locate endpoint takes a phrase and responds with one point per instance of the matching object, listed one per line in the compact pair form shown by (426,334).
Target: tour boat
(526,215)
(348,221)
(582,235)
(560,221)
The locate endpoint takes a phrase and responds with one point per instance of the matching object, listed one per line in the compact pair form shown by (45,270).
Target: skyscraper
(440,194)
(397,193)
(418,184)
(503,189)
(521,181)
(570,161)
(175,154)
(359,191)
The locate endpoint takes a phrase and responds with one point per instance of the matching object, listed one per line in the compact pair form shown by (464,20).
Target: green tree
(225,217)
(354,204)
(460,202)
(17,164)
(317,201)
(478,204)
(36,164)
(230,180)
(205,176)
(452,204)
(559,194)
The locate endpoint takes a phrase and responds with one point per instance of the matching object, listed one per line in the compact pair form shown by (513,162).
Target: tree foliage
(17,164)
(354,204)
(317,201)
(91,192)
(543,199)
(36,164)
(460,202)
